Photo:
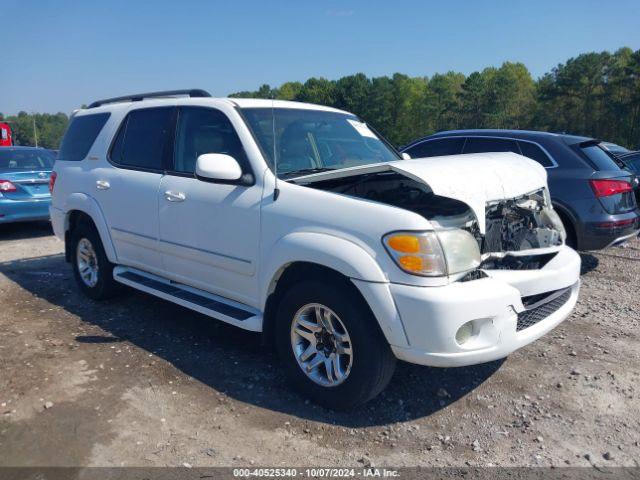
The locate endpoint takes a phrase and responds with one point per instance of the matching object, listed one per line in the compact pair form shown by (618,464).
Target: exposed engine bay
(520,224)
(513,225)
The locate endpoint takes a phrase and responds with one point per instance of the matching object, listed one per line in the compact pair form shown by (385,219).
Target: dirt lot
(138,381)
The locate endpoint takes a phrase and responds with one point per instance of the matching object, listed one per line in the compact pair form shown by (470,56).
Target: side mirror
(218,167)
(406,156)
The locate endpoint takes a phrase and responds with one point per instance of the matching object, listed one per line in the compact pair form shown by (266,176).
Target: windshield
(309,141)
(25,160)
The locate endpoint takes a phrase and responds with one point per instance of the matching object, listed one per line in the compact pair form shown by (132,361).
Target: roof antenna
(276,190)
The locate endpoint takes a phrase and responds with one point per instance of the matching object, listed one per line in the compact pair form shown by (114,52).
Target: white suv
(299,221)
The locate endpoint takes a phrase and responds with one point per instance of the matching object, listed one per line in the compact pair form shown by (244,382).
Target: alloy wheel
(321,345)
(87,262)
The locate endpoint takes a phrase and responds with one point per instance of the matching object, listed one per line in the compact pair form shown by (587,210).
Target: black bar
(194,92)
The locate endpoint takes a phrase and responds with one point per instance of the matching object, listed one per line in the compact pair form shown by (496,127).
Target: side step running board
(200,301)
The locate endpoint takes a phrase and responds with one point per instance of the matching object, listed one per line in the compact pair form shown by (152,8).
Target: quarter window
(600,158)
(142,138)
(482,145)
(205,130)
(534,152)
(436,148)
(80,135)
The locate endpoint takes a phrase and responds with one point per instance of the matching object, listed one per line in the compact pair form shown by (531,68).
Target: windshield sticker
(362,128)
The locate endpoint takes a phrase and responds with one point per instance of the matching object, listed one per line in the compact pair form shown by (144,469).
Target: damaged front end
(520,224)
(521,233)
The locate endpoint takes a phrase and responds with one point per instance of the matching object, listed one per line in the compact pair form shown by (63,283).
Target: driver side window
(204,130)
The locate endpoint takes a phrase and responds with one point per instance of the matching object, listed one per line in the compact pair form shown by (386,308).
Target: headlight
(461,250)
(433,254)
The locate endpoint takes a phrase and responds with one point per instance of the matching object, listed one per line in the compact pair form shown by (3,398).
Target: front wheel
(330,346)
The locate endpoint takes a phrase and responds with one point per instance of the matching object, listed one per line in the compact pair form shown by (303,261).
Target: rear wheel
(330,346)
(91,267)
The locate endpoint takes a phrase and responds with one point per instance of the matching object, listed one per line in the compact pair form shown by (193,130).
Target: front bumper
(30,210)
(431,316)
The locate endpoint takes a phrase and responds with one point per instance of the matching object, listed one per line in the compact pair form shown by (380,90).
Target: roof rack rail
(194,92)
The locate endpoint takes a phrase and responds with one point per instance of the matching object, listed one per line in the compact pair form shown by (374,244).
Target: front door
(209,232)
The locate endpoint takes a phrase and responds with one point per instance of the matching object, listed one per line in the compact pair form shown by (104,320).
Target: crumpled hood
(474,179)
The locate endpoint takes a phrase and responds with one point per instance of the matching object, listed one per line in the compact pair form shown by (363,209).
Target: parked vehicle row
(300,222)
(592,194)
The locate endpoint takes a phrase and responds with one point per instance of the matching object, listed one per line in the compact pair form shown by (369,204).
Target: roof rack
(194,92)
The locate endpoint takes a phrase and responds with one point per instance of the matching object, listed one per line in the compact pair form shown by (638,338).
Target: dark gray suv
(591,193)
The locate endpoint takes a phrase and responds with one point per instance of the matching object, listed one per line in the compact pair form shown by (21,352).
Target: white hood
(474,179)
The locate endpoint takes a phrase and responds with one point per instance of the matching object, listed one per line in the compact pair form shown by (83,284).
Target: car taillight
(606,188)
(52,181)
(7,186)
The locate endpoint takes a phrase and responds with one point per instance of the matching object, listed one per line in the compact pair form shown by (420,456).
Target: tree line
(46,128)
(593,94)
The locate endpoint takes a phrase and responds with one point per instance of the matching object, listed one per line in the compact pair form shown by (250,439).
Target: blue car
(24,184)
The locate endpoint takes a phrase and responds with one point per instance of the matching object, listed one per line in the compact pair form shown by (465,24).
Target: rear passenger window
(205,130)
(142,138)
(436,148)
(80,135)
(534,152)
(482,145)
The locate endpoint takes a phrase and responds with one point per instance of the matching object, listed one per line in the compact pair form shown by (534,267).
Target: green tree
(318,90)
(352,93)
(442,105)
(289,91)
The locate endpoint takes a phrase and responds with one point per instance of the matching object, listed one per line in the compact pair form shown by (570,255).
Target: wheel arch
(329,258)
(80,207)
(297,271)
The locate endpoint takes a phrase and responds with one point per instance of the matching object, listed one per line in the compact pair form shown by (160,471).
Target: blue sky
(57,55)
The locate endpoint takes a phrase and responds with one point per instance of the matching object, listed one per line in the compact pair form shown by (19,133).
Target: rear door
(128,193)
(209,232)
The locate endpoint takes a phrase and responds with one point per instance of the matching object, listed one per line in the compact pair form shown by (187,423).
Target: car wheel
(91,267)
(330,345)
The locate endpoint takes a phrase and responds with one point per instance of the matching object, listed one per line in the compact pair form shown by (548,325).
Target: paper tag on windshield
(361,128)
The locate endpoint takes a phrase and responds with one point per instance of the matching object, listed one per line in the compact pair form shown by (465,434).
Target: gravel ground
(137,381)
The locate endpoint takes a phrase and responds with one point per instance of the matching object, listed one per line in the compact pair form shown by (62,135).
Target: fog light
(464,333)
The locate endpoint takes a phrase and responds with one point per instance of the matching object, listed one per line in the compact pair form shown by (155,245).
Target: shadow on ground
(589,262)
(24,230)
(228,359)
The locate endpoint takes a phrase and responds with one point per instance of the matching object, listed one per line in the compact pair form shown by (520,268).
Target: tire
(369,368)
(102,286)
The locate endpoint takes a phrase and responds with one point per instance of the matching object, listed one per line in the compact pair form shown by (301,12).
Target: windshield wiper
(306,171)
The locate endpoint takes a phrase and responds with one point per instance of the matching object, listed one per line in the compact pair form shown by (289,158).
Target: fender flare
(330,251)
(87,205)
(344,257)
